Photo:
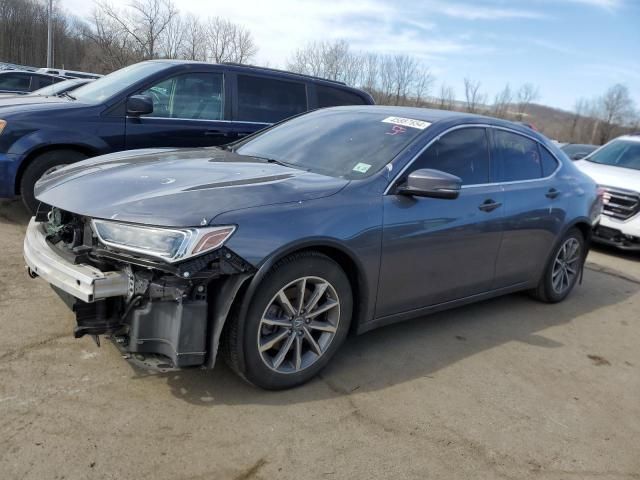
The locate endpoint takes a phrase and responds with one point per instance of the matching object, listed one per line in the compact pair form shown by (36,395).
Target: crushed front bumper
(82,281)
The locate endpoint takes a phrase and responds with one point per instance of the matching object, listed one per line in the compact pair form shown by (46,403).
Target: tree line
(112,38)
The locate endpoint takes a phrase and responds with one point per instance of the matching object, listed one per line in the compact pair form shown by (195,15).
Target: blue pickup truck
(158,103)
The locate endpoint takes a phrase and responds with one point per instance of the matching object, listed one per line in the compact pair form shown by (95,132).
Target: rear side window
(518,157)
(463,153)
(15,81)
(333,97)
(267,100)
(549,163)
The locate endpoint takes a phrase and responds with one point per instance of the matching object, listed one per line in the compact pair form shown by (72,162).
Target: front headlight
(169,244)
(3,123)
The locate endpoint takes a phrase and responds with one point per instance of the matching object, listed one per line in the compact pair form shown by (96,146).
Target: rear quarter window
(518,157)
(549,163)
(268,100)
(334,97)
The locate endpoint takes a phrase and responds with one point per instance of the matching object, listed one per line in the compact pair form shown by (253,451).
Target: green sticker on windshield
(362,167)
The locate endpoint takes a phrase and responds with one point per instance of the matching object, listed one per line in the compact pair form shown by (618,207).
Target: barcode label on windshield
(407,122)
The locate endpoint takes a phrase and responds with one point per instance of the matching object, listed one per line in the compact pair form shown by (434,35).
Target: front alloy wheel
(299,324)
(295,322)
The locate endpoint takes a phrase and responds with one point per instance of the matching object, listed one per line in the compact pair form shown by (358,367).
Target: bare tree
(194,42)
(422,85)
(144,21)
(615,108)
(527,94)
(446,98)
(174,38)
(502,102)
(474,98)
(228,42)
(115,45)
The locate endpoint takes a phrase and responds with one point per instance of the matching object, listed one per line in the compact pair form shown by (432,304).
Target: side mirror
(578,156)
(426,182)
(139,105)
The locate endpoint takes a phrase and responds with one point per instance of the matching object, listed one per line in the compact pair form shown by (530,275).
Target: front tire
(563,270)
(297,320)
(41,164)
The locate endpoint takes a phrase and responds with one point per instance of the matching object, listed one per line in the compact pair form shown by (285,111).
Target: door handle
(489,205)
(216,133)
(552,193)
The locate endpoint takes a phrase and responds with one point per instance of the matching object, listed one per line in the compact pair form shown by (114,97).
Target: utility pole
(50,36)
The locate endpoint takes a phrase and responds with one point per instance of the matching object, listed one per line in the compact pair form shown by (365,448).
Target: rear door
(188,111)
(535,206)
(260,101)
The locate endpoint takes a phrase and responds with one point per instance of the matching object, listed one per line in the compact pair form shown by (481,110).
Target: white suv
(616,168)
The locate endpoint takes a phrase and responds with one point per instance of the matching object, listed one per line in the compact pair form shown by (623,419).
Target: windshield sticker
(362,167)
(407,122)
(396,130)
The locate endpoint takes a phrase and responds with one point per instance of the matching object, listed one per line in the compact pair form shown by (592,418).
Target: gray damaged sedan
(272,249)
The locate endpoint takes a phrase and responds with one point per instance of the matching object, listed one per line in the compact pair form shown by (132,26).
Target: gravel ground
(508,388)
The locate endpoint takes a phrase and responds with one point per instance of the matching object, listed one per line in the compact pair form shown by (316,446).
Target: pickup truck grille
(620,204)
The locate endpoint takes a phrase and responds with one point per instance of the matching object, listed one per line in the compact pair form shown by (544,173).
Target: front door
(438,250)
(188,111)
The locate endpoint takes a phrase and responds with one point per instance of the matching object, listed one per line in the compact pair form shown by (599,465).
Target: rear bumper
(84,282)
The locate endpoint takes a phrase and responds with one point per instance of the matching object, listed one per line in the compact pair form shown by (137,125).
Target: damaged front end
(155,291)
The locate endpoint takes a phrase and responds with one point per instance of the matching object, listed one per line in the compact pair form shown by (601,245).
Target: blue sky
(569,48)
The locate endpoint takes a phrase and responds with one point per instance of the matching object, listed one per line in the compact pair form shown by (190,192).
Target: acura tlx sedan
(272,249)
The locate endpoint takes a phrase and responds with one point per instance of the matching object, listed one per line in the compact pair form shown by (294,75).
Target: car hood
(177,187)
(610,176)
(35,102)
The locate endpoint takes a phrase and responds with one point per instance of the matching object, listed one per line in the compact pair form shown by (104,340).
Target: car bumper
(83,282)
(610,233)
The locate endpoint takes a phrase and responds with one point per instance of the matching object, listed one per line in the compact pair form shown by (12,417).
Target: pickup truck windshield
(109,85)
(619,153)
(347,143)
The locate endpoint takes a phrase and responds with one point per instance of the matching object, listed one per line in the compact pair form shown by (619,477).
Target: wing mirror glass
(426,182)
(139,105)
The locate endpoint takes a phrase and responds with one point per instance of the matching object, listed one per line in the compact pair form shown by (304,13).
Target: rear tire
(278,346)
(563,270)
(38,166)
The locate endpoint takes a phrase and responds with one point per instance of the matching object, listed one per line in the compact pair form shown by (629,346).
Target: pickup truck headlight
(169,244)
(3,123)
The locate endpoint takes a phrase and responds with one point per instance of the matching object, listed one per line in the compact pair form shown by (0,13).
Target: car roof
(634,137)
(268,71)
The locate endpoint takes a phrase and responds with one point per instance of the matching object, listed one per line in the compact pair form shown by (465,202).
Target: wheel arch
(29,158)
(246,288)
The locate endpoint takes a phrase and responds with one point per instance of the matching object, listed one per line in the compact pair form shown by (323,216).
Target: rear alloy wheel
(296,321)
(563,270)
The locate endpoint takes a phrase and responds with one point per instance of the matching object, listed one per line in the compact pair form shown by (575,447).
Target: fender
(364,294)
(45,139)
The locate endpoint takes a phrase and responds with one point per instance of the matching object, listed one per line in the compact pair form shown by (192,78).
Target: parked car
(577,151)
(161,103)
(69,73)
(22,82)
(278,245)
(52,90)
(616,167)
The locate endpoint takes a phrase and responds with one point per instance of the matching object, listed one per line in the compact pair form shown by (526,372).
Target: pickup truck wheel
(41,164)
(563,270)
(297,320)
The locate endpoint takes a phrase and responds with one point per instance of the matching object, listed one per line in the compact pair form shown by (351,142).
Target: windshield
(57,88)
(107,86)
(336,142)
(619,153)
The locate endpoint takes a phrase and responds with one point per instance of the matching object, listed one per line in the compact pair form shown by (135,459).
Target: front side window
(463,153)
(114,83)
(619,153)
(195,96)
(15,81)
(268,101)
(518,157)
(340,143)
(333,97)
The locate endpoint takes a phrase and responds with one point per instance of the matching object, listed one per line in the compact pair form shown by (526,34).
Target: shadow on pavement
(12,212)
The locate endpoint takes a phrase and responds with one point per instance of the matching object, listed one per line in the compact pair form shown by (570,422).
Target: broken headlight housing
(168,244)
